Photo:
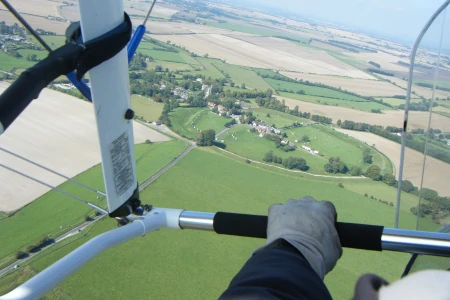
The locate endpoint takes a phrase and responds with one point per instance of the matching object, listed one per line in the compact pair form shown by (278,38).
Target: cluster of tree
(291,39)
(381,72)
(44,32)
(164,118)
(11,30)
(205,138)
(32,57)
(399,97)
(289,163)
(410,143)
(269,157)
(139,62)
(375,64)
(45,241)
(247,117)
(418,106)
(166,49)
(376,110)
(335,165)
(231,123)
(367,156)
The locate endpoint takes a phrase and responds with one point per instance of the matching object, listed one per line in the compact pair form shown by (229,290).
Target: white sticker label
(121,161)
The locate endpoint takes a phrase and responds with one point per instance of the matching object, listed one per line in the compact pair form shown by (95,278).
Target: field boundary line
(293,171)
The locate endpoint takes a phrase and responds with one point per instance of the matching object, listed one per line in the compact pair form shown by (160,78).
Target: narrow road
(223,131)
(69,233)
(142,186)
(167,167)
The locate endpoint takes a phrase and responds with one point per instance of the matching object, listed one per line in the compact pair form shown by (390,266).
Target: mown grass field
(189,121)
(311,90)
(323,139)
(199,265)
(333,143)
(278,118)
(47,214)
(146,108)
(359,105)
(250,145)
(241,75)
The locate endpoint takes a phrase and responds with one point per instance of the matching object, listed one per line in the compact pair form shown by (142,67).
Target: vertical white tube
(111,99)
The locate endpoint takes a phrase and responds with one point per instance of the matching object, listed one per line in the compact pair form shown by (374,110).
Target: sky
(399,19)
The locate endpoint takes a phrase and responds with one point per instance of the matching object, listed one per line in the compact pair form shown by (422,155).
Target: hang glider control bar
(368,237)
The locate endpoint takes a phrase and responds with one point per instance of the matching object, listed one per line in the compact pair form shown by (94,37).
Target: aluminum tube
(111,98)
(56,273)
(196,220)
(421,242)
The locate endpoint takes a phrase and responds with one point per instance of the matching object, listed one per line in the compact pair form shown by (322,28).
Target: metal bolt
(129,114)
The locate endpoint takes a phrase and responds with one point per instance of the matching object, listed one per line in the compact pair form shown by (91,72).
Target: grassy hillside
(146,108)
(184,119)
(199,265)
(323,139)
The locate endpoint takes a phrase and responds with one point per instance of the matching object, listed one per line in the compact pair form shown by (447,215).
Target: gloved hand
(309,226)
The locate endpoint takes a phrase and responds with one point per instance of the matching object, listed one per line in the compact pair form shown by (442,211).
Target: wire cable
(26,25)
(55,188)
(149,12)
(53,171)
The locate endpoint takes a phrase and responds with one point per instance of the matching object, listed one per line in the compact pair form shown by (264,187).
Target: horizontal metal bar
(421,242)
(196,220)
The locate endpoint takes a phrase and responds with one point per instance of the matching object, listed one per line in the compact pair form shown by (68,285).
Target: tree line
(289,163)
(409,141)
(316,84)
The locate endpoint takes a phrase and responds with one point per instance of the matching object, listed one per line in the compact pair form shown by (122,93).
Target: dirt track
(58,131)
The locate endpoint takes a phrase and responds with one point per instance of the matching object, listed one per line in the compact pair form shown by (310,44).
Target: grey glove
(309,226)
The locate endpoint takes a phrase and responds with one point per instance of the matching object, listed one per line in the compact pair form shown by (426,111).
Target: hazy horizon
(401,20)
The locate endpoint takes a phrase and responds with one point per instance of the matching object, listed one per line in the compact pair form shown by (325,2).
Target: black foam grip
(358,236)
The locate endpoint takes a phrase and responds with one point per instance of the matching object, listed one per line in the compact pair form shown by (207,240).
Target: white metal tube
(111,99)
(56,273)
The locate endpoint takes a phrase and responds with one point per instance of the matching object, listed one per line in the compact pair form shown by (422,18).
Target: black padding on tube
(358,236)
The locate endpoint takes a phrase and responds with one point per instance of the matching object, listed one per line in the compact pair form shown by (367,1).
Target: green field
(327,141)
(184,119)
(48,213)
(146,108)
(258,30)
(311,90)
(54,41)
(241,75)
(360,105)
(39,54)
(9,63)
(172,66)
(278,118)
(199,265)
